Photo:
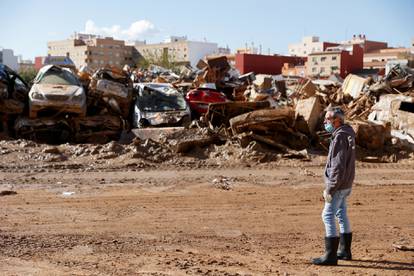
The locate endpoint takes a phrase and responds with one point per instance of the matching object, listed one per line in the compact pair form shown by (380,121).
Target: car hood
(55,89)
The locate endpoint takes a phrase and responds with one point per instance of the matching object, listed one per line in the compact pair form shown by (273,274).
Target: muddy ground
(117,210)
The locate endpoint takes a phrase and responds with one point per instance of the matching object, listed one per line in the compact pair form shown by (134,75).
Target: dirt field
(119,216)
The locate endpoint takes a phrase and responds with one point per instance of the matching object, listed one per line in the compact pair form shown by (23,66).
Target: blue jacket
(340,166)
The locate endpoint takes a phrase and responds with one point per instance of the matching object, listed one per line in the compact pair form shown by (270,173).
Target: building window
(333,58)
(323,59)
(334,68)
(322,69)
(314,69)
(314,59)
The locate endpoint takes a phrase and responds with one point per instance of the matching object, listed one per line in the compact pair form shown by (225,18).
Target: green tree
(165,60)
(28,75)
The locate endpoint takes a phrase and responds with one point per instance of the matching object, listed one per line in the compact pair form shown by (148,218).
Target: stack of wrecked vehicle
(55,97)
(110,91)
(64,108)
(109,101)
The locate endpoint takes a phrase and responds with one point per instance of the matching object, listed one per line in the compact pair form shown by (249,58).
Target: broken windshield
(161,99)
(58,76)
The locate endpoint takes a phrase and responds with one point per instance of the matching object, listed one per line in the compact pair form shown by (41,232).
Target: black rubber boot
(344,251)
(330,258)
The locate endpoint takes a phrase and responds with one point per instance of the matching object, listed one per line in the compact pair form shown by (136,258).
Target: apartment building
(378,59)
(177,49)
(93,51)
(308,45)
(8,58)
(335,60)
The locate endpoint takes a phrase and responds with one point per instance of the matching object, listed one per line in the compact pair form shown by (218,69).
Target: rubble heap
(277,113)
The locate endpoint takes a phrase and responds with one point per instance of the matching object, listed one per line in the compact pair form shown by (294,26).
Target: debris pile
(163,112)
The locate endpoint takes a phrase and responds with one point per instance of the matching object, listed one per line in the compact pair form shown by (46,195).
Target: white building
(177,49)
(8,58)
(308,45)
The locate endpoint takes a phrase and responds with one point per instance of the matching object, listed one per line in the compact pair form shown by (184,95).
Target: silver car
(55,91)
(159,104)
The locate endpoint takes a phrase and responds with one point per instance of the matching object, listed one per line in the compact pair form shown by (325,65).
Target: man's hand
(327,196)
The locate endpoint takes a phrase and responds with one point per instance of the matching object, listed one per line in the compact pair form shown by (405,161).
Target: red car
(200,98)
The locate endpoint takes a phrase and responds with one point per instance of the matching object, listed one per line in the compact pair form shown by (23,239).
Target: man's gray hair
(337,112)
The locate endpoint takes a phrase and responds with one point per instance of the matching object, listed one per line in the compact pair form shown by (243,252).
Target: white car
(56,90)
(159,104)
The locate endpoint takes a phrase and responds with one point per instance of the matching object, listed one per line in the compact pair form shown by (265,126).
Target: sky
(27,25)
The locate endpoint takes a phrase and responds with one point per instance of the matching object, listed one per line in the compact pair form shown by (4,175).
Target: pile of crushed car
(282,113)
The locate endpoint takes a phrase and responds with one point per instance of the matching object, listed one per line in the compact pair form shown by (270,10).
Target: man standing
(339,176)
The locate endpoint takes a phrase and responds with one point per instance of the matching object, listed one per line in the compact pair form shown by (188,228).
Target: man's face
(329,118)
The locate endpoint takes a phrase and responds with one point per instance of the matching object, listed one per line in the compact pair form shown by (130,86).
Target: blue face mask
(329,127)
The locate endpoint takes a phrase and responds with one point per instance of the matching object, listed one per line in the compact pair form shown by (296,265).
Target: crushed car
(46,130)
(13,98)
(12,85)
(56,91)
(110,91)
(159,105)
(98,129)
(201,97)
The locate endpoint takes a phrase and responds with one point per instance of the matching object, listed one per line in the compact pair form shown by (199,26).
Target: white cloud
(136,31)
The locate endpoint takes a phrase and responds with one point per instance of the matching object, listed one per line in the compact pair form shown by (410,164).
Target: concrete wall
(351,63)
(198,50)
(374,45)
(263,64)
